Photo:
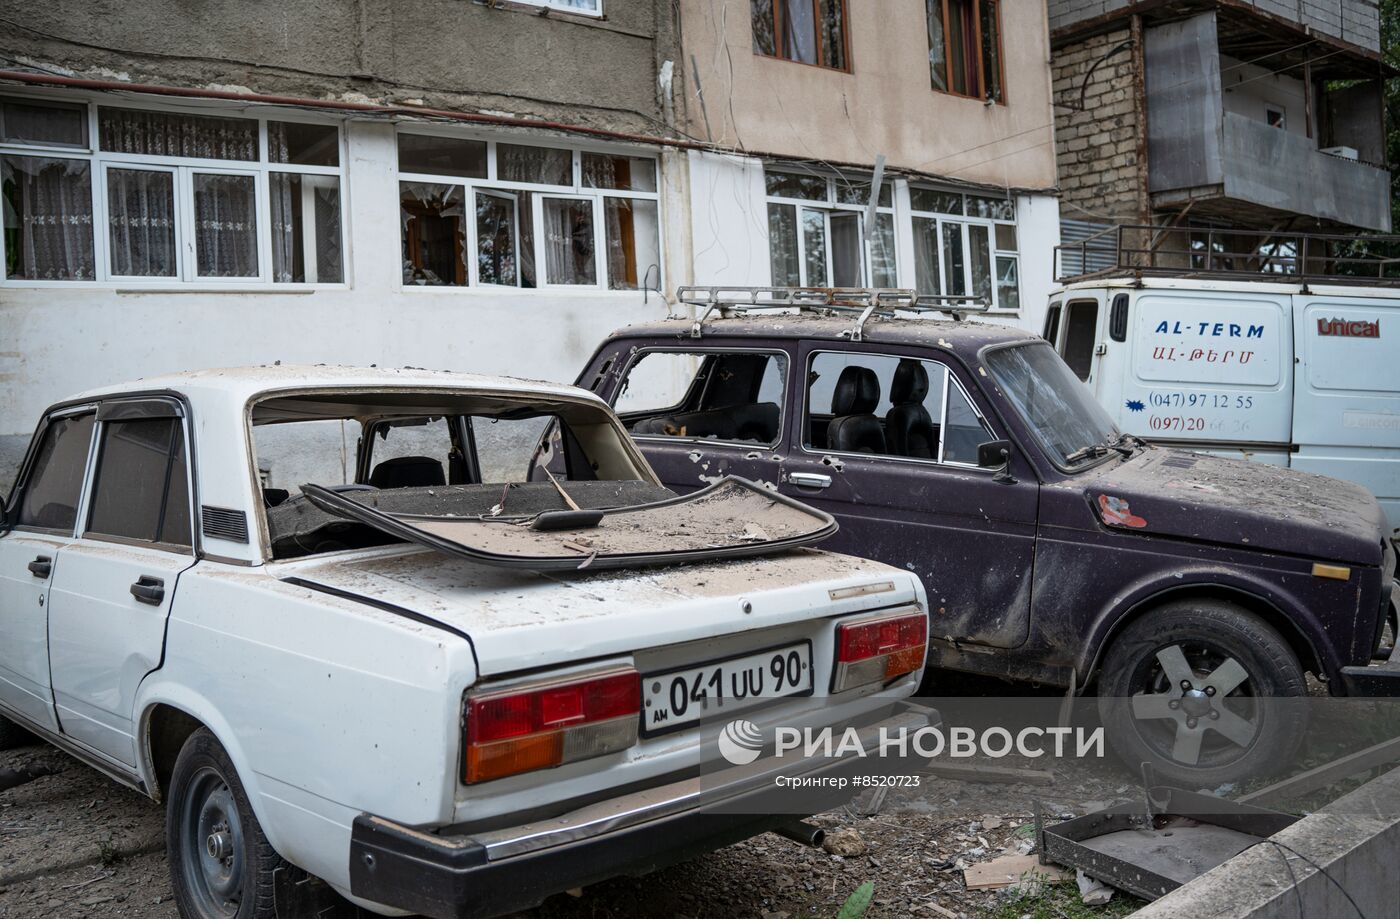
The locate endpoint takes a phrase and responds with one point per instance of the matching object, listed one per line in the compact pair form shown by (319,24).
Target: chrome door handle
(810,479)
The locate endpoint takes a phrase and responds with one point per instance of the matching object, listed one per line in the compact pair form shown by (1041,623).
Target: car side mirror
(996,454)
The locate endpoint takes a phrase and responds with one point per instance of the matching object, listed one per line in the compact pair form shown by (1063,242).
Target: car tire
(221,864)
(1206,692)
(12,735)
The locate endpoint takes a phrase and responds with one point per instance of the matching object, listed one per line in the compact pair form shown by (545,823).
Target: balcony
(1228,143)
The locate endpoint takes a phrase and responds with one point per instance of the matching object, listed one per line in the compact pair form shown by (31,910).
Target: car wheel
(12,735)
(221,864)
(1200,690)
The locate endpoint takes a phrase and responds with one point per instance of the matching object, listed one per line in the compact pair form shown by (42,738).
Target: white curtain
(225,226)
(141,219)
(568,230)
(282,193)
(171,134)
(48,219)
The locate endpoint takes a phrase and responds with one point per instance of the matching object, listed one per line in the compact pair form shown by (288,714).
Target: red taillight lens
(547,725)
(876,650)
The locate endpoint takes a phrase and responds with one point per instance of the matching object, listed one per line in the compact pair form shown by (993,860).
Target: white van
(1305,375)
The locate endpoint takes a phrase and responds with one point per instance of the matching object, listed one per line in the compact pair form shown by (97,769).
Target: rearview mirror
(994,454)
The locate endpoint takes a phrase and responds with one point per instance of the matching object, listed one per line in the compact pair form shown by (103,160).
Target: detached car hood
(1239,503)
(519,619)
(731,518)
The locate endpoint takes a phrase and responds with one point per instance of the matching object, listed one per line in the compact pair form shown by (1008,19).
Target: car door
(113,587)
(42,513)
(702,413)
(967,532)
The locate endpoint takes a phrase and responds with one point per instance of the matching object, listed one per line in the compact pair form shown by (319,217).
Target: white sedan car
(443,641)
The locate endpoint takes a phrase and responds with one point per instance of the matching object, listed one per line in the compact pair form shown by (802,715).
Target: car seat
(855,429)
(908,425)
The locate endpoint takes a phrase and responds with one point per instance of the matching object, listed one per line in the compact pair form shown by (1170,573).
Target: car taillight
(877,650)
(543,725)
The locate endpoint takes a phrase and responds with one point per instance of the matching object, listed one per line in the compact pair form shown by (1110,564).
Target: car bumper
(478,875)
(1377,680)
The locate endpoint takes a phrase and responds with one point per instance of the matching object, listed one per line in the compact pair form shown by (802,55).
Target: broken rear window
(450,454)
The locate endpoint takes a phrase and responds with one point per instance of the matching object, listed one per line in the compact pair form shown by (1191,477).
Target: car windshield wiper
(1086,452)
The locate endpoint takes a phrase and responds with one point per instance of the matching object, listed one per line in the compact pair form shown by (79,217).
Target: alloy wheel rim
(1198,701)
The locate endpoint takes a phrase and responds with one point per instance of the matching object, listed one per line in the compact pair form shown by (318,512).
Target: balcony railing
(1257,255)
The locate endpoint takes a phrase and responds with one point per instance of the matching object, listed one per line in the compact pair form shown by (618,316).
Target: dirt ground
(75,844)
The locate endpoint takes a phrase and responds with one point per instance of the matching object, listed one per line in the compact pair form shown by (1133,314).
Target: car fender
(1281,607)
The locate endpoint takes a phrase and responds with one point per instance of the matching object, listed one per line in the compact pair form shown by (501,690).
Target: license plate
(677,698)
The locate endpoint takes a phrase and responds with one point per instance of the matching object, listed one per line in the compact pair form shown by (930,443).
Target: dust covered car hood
(1240,503)
(731,518)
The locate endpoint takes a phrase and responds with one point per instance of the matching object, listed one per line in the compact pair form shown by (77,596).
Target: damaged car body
(420,634)
(1186,590)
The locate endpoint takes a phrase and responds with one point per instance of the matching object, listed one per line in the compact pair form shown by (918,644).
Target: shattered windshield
(1069,425)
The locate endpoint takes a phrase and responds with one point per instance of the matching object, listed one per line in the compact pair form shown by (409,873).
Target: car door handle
(810,479)
(148,590)
(41,567)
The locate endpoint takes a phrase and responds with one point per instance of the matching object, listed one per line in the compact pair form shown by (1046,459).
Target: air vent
(1179,460)
(224,523)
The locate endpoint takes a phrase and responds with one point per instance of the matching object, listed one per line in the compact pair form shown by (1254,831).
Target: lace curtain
(225,226)
(47,205)
(569,248)
(293,201)
(141,219)
(170,134)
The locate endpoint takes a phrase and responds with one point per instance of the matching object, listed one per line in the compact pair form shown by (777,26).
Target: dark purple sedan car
(1182,588)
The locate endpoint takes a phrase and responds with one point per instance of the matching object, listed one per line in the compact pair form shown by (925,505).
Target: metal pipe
(808,834)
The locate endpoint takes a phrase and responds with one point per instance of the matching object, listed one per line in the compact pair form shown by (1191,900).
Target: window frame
(981,95)
(26,473)
(635,358)
(778,54)
(949,376)
(84,521)
(965,220)
(262,169)
(558,7)
(490,184)
(829,205)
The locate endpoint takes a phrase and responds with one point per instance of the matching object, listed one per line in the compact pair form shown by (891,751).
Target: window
(583,7)
(965,246)
(541,216)
(716,395)
(178,197)
(291,454)
(806,31)
(964,47)
(1052,323)
(1275,116)
(140,489)
(816,234)
(1081,334)
(412,449)
(890,406)
(49,500)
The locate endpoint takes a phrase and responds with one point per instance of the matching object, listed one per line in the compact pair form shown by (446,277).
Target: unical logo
(740,742)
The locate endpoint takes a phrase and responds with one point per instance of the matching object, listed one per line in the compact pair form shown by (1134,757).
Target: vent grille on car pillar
(224,523)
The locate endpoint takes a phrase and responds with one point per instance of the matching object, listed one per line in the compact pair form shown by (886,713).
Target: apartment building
(492,186)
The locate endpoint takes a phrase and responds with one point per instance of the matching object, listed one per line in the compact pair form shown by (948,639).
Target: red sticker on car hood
(1115,512)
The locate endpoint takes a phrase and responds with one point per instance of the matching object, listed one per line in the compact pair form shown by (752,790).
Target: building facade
(802,99)
(490,186)
(1266,115)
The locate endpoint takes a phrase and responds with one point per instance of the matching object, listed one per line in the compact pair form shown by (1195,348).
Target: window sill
(563,290)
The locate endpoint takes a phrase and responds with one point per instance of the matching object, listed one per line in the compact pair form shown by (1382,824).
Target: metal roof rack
(862,302)
(1276,256)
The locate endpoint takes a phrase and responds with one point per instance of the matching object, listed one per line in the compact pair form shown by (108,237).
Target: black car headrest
(910,383)
(407,472)
(857,392)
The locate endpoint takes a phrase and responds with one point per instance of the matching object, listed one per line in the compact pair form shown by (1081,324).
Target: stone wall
(1097,148)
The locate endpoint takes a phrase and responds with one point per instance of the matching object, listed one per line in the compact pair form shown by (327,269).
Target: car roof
(244,384)
(965,337)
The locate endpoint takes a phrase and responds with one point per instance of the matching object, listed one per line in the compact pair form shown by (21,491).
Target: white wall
(59,341)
